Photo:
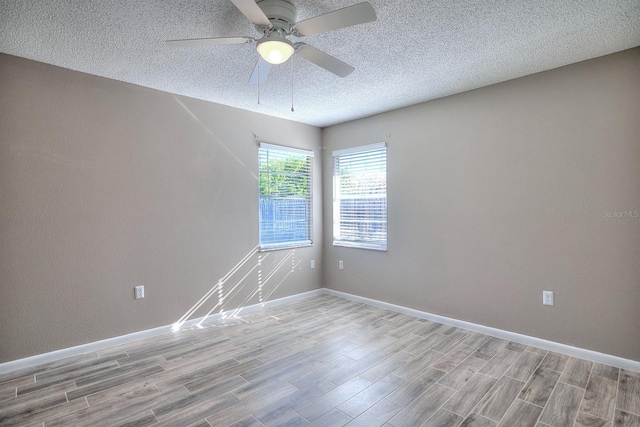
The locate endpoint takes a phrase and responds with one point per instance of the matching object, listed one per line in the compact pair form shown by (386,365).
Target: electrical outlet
(341,265)
(313,264)
(139,292)
(547,298)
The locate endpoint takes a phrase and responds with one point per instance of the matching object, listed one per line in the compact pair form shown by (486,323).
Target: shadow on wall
(266,270)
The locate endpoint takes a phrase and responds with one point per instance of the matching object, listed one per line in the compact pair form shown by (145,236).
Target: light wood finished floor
(322,361)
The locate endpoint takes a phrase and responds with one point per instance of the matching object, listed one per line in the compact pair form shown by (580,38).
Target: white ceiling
(414,52)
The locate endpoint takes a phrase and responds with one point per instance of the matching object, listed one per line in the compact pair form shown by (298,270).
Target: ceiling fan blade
(323,60)
(260,72)
(353,15)
(210,41)
(252,11)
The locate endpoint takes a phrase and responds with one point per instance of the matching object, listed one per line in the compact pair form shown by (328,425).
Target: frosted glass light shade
(275,50)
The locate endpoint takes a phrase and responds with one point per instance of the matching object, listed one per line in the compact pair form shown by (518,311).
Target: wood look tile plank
(197,360)
(38,417)
(290,402)
(290,418)
(370,396)
(321,371)
(112,382)
(387,366)
(356,368)
(521,414)
(428,328)
(563,405)
(205,373)
(450,329)
(166,410)
(20,410)
(629,392)
(133,386)
(276,366)
(425,343)
(462,373)
(608,372)
(490,348)
(193,383)
(251,404)
(406,329)
(540,386)
(496,403)
(202,411)
(370,347)
(121,407)
(470,395)
(406,393)
(525,365)
(402,343)
(143,419)
(576,372)
(417,365)
(335,397)
(27,399)
(377,415)
(586,420)
(500,363)
(47,382)
(252,422)
(515,346)
(476,339)
(537,350)
(475,420)
(11,385)
(117,371)
(450,342)
(423,407)
(7,393)
(443,418)
(46,367)
(333,418)
(625,419)
(599,397)
(453,358)
(555,361)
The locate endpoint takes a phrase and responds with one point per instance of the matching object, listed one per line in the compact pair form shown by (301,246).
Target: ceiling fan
(276,20)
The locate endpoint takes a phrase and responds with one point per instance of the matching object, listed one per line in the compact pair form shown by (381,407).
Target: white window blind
(285,204)
(360,197)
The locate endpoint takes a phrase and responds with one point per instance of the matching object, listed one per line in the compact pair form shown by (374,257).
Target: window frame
(293,152)
(367,240)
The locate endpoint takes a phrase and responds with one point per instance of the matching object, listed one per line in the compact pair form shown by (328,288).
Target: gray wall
(106,185)
(498,194)
(494,195)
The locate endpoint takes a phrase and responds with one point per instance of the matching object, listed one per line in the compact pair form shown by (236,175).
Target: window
(360,197)
(285,197)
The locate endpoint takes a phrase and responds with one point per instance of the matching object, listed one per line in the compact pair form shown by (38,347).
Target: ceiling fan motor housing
(281,13)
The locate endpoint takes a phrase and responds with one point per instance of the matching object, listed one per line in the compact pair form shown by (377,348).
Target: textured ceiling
(414,52)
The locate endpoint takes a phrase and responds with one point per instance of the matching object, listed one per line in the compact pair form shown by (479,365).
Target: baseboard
(40,359)
(53,356)
(582,353)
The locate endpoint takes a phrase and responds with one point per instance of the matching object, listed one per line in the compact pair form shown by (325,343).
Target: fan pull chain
(291,62)
(258,82)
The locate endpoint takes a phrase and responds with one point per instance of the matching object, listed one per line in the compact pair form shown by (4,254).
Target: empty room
(320,213)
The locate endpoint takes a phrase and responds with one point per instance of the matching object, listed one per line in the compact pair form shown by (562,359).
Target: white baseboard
(594,356)
(40,359)
(582,353)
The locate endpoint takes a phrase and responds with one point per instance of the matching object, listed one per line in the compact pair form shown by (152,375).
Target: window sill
(295,245)
(359,245)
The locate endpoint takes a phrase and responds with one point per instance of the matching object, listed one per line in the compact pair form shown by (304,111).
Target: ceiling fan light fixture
(275,49)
